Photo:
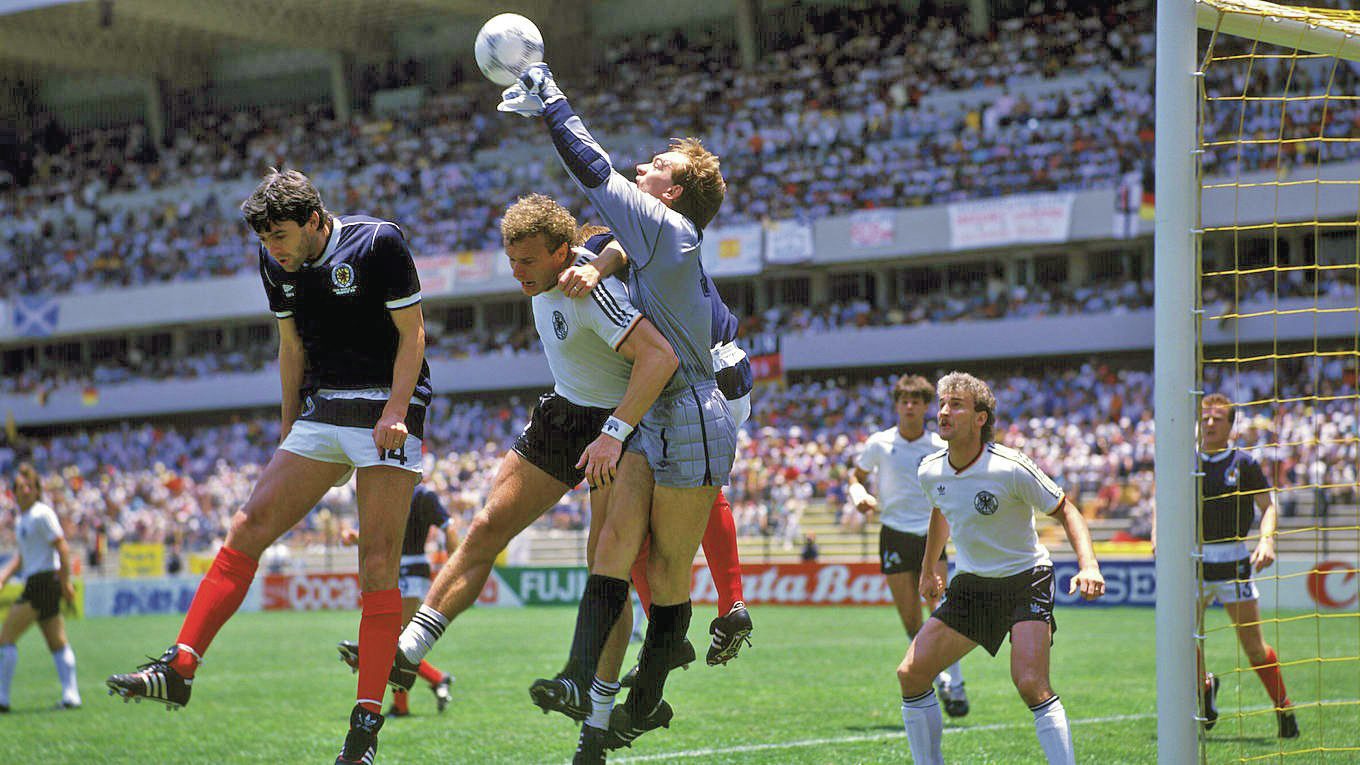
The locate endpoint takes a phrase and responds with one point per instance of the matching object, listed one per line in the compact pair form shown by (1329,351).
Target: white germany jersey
(895,460)
(990,506)
(581,337)
(38,529)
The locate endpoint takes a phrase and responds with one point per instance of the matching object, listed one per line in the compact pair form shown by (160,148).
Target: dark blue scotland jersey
(341,303)
(1232,480)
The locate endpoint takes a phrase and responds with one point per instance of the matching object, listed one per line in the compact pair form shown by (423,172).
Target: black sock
(665,633)
(601,604)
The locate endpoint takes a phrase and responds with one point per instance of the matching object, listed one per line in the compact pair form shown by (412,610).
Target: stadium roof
(177,40)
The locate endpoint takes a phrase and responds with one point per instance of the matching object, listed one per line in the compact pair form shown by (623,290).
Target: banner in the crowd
(788,242)
(36,316)
(732,250)
(1025,219)
(74,610)
(311,592)
(162,595)
(436,273)
(768,367)
(141,559)
(441,274)
(873,228)
(474,266)
(801,584)
(507,586)
(1328,585)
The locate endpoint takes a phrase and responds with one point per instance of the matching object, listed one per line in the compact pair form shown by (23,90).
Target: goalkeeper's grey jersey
(665,278)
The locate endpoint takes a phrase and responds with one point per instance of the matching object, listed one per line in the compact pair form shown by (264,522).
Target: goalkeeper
(683,449)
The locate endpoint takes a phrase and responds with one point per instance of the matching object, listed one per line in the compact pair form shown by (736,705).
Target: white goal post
(1177,266)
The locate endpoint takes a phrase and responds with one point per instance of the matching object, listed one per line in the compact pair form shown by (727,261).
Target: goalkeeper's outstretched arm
(643,225)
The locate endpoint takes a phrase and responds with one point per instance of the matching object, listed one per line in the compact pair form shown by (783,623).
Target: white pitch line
(691,753)
(859,739)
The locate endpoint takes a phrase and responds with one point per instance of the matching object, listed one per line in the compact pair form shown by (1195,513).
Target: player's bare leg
(54,634)
(678,520)
(906,593)
(521,492)
(289,487)
(935,647)
(21,616)
(606,591)
(1031,644)
(1246,619)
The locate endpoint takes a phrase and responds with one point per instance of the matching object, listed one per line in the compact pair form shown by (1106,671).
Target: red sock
(379,626)
(428,671)
(639,574)
(1269,672)
(401,701)
(720,550)
(218,596)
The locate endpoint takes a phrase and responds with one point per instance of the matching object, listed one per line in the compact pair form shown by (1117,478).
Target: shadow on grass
(873,728)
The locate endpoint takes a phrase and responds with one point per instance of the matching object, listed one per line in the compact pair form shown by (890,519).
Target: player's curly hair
(701,178)
(913,386)
(983,400)
(283,195)
(537,214)
(1217,399)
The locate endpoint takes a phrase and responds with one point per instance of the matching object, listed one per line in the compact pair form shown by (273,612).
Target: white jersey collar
(331,244)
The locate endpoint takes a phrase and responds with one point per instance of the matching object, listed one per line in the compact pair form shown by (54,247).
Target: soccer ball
(506,46)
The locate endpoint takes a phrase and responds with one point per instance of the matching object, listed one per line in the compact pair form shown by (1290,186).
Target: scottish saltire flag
(35,316)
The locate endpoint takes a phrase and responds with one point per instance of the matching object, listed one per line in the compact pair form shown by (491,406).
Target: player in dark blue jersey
(427,513)
(1234,489)
(355,388)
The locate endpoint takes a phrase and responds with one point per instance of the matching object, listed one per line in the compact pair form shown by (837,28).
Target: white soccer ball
(506,46)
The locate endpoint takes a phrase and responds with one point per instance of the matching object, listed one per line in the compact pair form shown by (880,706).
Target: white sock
(925,727)
(425,627)
(1050,724)
(65,659)
(955,673)
(9,659)
(602,703)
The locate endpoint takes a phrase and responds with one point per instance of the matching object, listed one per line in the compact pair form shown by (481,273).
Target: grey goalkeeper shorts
(688,438)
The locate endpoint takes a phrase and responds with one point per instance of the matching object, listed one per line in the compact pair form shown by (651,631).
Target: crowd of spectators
(839,115)
(1089,426)
(994,300)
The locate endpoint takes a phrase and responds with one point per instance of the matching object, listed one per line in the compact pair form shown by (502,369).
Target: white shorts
(729,355)
(1235,586)
(414,587)
(348,446)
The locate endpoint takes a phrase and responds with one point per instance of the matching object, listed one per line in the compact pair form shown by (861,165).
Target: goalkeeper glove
(514,99)
(531,95)
(538,80)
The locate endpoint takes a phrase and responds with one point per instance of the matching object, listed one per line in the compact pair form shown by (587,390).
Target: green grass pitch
(817,687)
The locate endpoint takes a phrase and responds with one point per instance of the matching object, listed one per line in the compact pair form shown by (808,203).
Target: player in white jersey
(894,455)
(986,495)
(44,562)
(609,363)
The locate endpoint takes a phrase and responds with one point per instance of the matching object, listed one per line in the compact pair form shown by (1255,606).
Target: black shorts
(557,433)
(42,592)
(984,609)
(900,551)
